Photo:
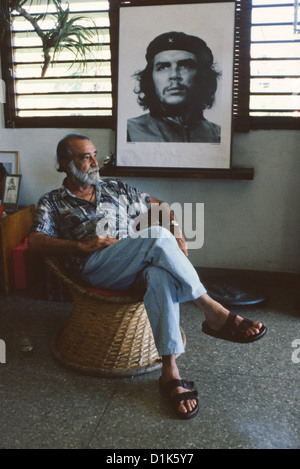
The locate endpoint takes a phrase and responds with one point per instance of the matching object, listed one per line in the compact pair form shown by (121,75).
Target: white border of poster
(213,23)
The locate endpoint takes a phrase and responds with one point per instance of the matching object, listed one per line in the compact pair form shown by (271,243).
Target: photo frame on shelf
(9,164)
(11,192)
(175,132)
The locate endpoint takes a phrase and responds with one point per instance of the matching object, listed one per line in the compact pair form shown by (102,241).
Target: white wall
(248,224)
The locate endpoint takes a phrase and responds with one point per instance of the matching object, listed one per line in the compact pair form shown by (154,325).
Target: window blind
(71,93)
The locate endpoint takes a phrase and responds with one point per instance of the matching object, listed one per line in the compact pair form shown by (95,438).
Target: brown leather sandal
(233,332)
(166,390)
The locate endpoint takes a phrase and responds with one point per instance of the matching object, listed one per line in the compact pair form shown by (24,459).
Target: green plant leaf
(66,33)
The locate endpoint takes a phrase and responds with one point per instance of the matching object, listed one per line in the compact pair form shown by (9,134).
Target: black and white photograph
(11,191)
(175,85)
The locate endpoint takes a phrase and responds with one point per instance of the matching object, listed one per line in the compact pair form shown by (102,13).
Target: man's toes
(191,405)
(183,408)
(254,328)
(188,406)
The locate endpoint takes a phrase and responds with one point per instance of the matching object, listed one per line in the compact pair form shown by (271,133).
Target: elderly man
(89,223)
(177,85)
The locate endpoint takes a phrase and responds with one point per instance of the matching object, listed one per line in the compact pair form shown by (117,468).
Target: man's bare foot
(169,373)
(216,315)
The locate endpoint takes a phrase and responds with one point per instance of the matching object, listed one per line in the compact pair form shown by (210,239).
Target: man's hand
(46,244)
(174,229)
(98,242)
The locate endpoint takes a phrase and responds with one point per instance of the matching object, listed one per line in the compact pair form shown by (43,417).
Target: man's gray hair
(63,150)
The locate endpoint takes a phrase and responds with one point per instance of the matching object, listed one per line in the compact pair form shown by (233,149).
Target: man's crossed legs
(154,262)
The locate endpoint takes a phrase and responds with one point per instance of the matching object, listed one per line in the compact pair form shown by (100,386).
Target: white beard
(88,179)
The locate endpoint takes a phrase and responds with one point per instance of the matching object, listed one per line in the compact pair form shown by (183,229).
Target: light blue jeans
(155,262)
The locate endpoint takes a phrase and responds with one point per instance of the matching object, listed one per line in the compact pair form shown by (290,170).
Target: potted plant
(67,32)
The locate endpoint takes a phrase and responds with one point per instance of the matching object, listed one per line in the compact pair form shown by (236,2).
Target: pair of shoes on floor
(233,332)
(166,391)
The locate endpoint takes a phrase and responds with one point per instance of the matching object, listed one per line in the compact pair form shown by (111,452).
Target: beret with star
(179,41)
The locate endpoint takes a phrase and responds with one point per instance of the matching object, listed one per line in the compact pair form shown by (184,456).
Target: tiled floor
(248,393)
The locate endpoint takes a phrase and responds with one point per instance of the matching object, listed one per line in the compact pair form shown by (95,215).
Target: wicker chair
(107,333)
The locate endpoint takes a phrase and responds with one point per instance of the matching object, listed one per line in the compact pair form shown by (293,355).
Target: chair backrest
(111,296)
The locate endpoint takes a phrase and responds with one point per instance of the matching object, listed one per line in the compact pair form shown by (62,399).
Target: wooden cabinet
(13,229)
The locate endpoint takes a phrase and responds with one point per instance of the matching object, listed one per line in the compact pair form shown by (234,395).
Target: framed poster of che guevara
(175,85)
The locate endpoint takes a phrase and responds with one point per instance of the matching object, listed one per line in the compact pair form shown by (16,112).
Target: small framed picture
(11,192)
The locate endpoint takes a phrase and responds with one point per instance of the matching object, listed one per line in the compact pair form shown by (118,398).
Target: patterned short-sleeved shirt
(62,215)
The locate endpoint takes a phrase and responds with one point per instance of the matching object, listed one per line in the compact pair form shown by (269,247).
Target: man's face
(84,166)
(174,76)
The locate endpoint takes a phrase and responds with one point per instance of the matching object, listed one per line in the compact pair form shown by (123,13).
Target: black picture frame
(175,155)
(11,192)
